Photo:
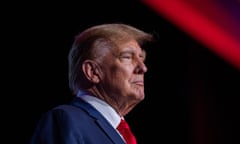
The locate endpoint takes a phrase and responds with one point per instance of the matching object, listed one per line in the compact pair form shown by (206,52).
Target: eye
(126,55)
(142,58)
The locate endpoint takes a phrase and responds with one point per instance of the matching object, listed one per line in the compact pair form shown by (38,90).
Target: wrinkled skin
(119,76)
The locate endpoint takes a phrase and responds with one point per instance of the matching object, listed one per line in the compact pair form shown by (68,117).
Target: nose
(141,67)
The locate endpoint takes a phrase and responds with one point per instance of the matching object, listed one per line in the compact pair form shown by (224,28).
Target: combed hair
(101,35)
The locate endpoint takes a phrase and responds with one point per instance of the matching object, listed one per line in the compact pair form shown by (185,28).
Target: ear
(91,71)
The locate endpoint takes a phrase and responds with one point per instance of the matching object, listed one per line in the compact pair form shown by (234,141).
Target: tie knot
(123,124)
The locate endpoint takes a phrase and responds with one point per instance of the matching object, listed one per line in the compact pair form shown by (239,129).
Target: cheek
(119,76)
(123,74)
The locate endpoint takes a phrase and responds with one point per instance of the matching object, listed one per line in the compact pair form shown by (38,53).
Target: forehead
(130,46)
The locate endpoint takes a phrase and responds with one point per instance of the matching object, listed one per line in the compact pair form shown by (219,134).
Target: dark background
(191,93)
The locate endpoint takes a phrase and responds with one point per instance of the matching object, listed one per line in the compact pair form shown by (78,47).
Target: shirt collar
(105,109)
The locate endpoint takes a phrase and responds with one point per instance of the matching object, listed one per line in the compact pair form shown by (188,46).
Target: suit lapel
(100,120)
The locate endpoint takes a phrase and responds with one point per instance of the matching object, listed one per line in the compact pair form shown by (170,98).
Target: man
(106,76)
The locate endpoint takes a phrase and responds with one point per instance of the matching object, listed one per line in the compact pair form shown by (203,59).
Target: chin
(140,96)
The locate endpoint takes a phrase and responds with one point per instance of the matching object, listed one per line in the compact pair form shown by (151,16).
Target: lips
(141,83)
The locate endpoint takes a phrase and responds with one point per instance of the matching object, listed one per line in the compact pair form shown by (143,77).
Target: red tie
(125,131)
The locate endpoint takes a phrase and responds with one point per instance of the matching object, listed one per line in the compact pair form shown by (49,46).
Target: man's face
(123,71)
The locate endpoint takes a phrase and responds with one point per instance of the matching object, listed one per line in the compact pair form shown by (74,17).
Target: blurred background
(192,83)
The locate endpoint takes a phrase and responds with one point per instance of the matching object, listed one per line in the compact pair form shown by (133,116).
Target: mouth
(140,83)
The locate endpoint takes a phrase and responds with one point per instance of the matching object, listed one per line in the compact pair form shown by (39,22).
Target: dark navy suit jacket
(75,123)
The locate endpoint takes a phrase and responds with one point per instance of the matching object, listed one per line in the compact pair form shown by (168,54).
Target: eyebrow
(143,54)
